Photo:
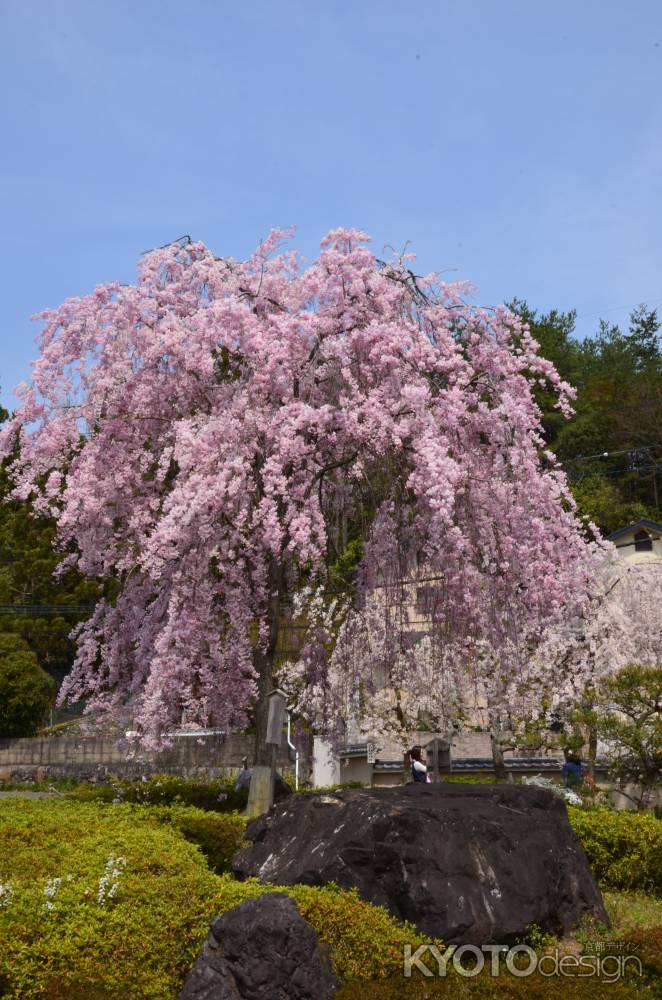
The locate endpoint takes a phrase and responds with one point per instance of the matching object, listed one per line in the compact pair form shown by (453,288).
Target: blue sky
(512,142)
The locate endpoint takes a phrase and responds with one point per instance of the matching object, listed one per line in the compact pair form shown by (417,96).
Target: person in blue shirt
(572,771)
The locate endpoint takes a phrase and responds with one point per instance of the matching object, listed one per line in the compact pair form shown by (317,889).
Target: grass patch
(632,911)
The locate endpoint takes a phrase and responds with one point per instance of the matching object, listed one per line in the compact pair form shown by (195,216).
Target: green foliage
(553,331)
(140,945)
(218,837)
(215,795)
(630,723)
(632,911)
(483,987)
(599,499)
(624,848)
(27,563)
(636,927)
(536,938)
(26,691)
(144,940)
(613,444)
(636,923)
(343,571)
(364,941)
(646,944)
(331,788)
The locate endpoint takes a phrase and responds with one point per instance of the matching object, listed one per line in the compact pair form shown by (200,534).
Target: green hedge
(140,942)
(624,848)
(215,795)
(218,837)
(139,945)
(143,940)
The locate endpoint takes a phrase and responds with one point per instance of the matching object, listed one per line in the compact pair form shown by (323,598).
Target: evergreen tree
(26,691)
(34,604)
(612,448)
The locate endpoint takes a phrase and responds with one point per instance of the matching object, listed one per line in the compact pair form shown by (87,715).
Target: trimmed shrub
(624,848)
(217,836)
(364,941)
(26,691)
(215,795)
(65,936)
(111,902)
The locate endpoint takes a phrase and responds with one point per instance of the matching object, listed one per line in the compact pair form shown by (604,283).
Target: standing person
(419,771)
(573,770)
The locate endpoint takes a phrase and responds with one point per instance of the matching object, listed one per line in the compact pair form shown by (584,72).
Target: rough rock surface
(262,949)
(467,863)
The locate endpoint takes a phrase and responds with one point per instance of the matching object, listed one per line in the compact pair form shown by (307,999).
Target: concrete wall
(97,758)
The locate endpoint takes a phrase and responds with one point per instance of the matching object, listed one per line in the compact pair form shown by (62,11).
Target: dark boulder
(470,864)
(262,949)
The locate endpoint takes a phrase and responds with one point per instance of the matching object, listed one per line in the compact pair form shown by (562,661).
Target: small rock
(262,949)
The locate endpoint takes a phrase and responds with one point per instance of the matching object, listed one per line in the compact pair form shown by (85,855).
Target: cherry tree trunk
(592,749)
(263,661)
(497,755)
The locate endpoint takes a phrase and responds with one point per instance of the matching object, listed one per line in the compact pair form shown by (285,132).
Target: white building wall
(326,765)
(626,548)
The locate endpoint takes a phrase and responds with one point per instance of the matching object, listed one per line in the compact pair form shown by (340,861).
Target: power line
(609,454)
(617,472)
(601,312)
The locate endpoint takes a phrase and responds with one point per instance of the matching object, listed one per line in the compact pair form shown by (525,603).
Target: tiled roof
(486,764)
(643,522)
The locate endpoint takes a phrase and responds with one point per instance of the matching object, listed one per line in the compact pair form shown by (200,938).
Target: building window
(643,542)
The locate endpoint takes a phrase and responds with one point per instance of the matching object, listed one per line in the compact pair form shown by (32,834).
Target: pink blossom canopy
(201,434)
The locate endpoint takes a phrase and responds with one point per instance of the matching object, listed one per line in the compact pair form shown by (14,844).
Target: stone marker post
(261,792)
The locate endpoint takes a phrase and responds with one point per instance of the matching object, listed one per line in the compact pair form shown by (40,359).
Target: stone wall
(95,758)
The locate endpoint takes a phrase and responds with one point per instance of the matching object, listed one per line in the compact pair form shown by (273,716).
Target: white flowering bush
(50,892)
(6,894)
(110,880)
(572,798)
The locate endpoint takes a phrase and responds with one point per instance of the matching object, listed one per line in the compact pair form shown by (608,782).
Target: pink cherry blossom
(212,436)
